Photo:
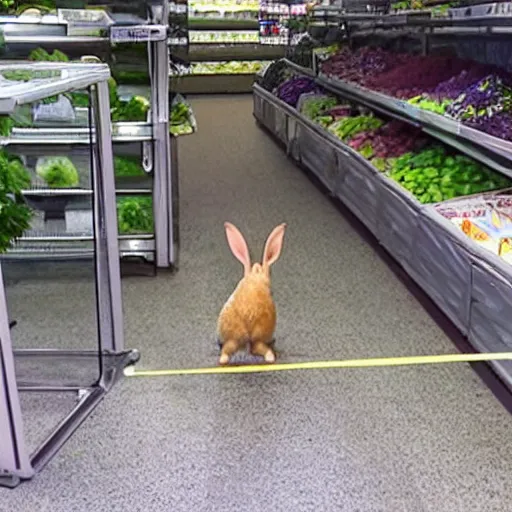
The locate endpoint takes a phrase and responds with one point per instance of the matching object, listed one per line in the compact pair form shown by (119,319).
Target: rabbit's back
(249,314)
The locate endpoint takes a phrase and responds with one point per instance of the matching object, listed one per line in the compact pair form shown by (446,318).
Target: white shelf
(63,77)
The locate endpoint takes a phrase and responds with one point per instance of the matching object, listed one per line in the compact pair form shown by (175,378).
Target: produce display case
(142,129)
(224,49)
(56,369)
(404,203)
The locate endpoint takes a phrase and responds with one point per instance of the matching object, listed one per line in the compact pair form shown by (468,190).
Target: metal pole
(165,173)
(14,458)
(108,272)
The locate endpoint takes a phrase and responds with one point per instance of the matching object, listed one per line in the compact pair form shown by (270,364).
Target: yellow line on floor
(130,371)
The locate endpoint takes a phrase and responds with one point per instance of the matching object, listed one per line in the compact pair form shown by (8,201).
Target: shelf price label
(84,17)
(138,34)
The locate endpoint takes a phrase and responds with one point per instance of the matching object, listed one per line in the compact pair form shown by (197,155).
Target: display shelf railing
(16,463)
(78,29)
(470,284)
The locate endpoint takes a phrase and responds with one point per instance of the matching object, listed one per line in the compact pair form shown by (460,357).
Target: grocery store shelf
(213,84)
(490,150)
(300,69)
(46,79)
(420,19)
(222,23)
(56,192)
(121,132)
(54,40)
(247,51)
(79,247)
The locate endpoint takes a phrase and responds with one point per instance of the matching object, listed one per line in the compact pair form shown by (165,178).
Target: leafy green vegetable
(58,172)
(6,124)
(134,110)
(41,55)
(135,214)
(15,215)
(434,176)
(314,107)
(125,166)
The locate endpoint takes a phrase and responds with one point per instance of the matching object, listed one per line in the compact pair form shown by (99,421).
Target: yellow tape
(322,365)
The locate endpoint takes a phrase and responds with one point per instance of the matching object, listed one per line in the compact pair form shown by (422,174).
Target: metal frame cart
(110,358)
(96,32)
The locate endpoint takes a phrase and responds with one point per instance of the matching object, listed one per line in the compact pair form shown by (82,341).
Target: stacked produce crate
(419,147)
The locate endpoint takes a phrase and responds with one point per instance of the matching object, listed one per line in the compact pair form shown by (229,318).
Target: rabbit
(249,315)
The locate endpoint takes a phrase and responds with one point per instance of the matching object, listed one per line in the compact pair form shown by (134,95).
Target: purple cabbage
(290,91)
(484,98)
(498,125)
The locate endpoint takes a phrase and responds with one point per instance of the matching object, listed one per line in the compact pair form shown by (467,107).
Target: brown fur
(249,317)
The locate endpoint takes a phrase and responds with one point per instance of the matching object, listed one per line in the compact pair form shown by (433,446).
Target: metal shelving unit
(110,358)
(212,27)
(93,31)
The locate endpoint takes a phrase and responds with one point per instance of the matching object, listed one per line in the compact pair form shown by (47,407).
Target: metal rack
(16,463)
(235,18)
(88,31)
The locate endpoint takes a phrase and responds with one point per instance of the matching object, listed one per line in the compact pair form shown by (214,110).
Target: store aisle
(386,440)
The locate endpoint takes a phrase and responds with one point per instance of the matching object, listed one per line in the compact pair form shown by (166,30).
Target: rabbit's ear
(274,245)
(238,246)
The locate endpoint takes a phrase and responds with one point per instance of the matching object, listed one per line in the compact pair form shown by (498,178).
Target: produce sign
(241,36)
(486,219)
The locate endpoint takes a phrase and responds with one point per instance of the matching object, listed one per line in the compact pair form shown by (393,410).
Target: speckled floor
(378,440)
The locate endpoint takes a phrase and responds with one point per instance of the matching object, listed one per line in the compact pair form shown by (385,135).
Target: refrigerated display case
(442,210)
